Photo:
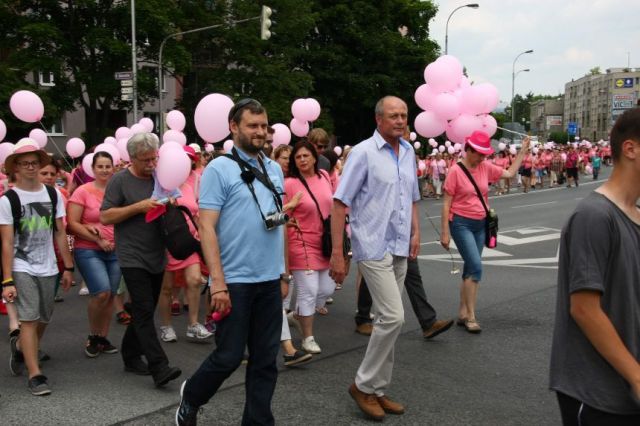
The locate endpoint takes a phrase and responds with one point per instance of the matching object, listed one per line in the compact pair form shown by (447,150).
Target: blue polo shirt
(249,253)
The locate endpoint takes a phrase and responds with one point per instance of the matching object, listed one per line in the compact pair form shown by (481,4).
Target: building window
(54,127)
(46,78)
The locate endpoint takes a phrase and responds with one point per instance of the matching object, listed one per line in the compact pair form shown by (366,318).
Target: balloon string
(511,131)
(64,157)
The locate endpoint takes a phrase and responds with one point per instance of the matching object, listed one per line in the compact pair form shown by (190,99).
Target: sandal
(322,311)
(123,318)
(472,326)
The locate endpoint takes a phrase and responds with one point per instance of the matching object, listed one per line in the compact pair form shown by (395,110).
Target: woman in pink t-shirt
(464,217)
(308,265)
(503,162)
(438,173)
(94,253)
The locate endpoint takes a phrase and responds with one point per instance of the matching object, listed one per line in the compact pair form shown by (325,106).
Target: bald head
(388,101)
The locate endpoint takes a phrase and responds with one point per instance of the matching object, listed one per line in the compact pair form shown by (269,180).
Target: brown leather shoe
(367,402)
(389,406)
(365,329)
(440,326)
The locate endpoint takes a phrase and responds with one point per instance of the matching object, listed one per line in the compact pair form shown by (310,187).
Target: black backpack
(175,232)
(16,207)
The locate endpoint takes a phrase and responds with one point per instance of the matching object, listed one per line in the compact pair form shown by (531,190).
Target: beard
(248,145)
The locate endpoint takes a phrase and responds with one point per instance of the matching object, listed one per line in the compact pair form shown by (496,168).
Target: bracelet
(72,269)
(8,280)
(8,283)
(220,291)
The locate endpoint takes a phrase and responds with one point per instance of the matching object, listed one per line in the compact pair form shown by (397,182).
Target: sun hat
(25,146)
(196,148)
(190,152)
(480,142)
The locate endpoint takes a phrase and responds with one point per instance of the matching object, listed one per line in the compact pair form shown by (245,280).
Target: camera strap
(249,173)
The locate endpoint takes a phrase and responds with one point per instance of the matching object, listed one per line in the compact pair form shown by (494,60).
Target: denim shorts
(100,270)
(468,234)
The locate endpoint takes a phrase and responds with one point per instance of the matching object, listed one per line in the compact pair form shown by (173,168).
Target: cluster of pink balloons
(451,104)
(304,110)
(211,117)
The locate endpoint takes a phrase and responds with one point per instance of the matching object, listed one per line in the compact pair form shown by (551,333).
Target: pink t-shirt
(438,169)
(502,162)
(90,198)
(527,161)
(465,199)
(308,219)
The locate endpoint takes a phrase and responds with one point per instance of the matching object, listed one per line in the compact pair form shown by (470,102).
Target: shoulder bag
(491,222)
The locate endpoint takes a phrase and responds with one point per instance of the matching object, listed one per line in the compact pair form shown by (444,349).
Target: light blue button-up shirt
(380,188)
(249,253)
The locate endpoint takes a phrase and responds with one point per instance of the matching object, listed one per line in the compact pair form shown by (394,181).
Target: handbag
(326,242)
(491,222)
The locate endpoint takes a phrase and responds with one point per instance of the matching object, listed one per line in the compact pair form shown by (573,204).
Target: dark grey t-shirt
(324,163)
(599,250)
(138,244)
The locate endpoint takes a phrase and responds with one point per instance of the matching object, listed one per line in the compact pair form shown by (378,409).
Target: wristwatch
(72,269)
(286,278)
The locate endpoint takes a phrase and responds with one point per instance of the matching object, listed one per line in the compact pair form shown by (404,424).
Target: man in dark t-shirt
(596,342)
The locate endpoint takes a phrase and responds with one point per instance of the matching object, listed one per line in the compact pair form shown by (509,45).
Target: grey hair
(380,104)
(142,142)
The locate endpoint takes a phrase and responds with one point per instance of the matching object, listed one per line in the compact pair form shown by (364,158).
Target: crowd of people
(314,209)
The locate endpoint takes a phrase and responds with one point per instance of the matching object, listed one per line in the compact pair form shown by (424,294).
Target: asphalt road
(496,378)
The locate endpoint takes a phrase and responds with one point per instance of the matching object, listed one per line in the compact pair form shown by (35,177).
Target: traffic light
(265,22)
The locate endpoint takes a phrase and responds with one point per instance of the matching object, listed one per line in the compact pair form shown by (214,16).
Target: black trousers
(575,413)
(417,297)
(140,338)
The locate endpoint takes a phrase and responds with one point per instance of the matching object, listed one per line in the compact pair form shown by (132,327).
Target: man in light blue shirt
(238,199)
(379,184)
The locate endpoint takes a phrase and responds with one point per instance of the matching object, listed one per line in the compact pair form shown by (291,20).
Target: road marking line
(531,205)
(433,217)
(510,241)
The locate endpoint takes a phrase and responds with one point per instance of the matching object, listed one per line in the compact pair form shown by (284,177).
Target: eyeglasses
(28,164)
(146,160)
(240,105)
(321,147)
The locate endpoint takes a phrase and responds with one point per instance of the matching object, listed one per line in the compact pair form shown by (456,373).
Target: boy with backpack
(30,220)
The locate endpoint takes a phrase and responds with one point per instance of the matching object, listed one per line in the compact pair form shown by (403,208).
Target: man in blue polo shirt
(239,208)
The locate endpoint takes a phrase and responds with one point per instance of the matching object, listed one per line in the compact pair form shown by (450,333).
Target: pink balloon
(176,120)
(169,146)
(457,147)
(447,144)
(110,140)
(6,149)
(433,143)
(111,150)
(473,100)
(212,117)
(86,165)
(429,125)
(464,125)
(502,146)
(173,170)
(424,97)
(338,150)
(312,109)
(26,106)
(137,128)
(444,74)
(446,106)
(122,148)
(299,128)
(39,136)
(228,144)
(282,135)
(3,130)
(75,147)
(175,136)
(490,95)
(417,145)
(451,150)
(441,148)
(123,133)
(208,147)
(422,166)
(147,123)
(513,150)
(464,82)
(535,150)
(412,136)
(298,108)
(489,124)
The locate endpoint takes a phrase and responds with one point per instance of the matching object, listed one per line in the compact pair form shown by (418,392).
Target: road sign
(572,128)
(126,97)
(124,75)
(126,90)
(126,83)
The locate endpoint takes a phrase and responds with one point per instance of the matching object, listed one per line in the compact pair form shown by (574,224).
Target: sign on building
(621,83)
(623,101)
(554,121)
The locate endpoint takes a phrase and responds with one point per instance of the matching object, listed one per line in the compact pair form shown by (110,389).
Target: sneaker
(43,356)
(198,332)
(175,308)
(186,415)
(84,291)
(105,346)
(38,385)
(329,300)
(58,299)
(16,360)
(293,322)
(309,344)
(166,375)
(123,318)
(168,334)
(299,357)
(92,348)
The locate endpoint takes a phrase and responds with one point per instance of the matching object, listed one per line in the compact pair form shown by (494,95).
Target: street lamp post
(210,27)
(513,82)
(446,32)
(134,61)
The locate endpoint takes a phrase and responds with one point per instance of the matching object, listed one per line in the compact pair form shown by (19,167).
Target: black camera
(275,219)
